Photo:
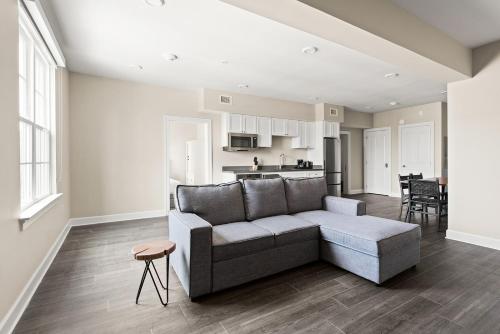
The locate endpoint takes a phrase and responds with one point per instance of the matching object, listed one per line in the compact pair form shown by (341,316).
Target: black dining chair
(403,186)
(425,194)
(416,176)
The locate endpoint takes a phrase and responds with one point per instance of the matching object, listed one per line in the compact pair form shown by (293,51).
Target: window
(36,114)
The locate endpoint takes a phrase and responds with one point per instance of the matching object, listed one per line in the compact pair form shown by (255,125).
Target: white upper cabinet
(300,141)
(250,124)
(292,128)
(306,137)
(238,123)
(279,127)
(234,123)
(311,135)
(264,132)
(331,129)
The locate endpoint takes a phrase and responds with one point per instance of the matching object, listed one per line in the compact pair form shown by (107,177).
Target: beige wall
(256,105)
(474,137)
(432,112)
(357,119)
(27,248)
(356,158)
(322,111)
(118,140)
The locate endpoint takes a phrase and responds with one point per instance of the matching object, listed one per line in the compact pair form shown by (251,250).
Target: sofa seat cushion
(239,239)
(217,204)
(288,229)
(305,194)
(264,198)
(370,235)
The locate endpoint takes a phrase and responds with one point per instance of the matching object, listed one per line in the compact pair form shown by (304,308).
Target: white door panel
(378,161)
(417,149)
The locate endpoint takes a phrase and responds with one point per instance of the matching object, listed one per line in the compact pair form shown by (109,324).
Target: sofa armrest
(192,259)
(344,206)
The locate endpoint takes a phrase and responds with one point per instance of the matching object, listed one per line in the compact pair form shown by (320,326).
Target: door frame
(400,146)
(348,134)
(166,166)
(388,186)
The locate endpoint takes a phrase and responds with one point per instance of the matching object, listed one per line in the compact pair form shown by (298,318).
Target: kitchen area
(316,142)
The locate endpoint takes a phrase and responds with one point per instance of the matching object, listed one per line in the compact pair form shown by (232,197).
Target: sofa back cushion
(305,194)
(217,204)
(264,198)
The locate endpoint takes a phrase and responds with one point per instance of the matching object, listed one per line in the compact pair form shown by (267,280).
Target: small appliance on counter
(255,165)
(301,164)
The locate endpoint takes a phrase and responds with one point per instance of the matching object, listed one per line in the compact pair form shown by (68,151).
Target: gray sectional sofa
(229,234)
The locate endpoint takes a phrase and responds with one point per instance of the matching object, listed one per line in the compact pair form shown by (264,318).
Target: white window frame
(36,44)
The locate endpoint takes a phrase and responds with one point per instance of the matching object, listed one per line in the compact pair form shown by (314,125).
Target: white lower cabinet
(316,173)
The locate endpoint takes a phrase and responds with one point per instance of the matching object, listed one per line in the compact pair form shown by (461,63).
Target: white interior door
(194,162)
(417,149)
(377,161)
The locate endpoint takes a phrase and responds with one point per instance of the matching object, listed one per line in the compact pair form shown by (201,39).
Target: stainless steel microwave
(241,142)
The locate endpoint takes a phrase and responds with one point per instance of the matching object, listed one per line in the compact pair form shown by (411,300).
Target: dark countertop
(267,169)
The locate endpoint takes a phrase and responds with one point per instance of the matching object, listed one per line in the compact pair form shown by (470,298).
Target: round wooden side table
(148,252)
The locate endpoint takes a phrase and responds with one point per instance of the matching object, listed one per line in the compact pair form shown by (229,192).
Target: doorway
(188,154)
(345,162)
(377,153)
(416,145)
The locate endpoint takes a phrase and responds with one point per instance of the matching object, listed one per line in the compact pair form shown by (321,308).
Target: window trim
(32,210)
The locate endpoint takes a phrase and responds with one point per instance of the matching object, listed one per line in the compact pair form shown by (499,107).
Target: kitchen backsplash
(268,156)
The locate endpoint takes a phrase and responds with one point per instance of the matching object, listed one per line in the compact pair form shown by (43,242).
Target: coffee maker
(301,164)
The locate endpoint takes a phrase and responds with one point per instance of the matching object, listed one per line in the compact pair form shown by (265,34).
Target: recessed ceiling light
(369,107)
(155,3)
(391,75)
(170,57)
(444,92)
(310,50)
(393,103)
(136,66)
(242,85)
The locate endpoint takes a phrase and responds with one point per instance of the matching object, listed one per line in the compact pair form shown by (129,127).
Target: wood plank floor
(91,286)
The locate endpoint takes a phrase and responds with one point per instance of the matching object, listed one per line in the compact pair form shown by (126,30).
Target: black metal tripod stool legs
(144,274)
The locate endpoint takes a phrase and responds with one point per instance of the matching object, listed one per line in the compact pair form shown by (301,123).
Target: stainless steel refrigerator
(331,166)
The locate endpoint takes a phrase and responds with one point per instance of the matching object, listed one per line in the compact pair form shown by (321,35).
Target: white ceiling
(106,37)
(470,22)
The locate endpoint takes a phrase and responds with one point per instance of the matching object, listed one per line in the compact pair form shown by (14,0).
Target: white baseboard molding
(395,195)
(474,239)
(116,217)
(16,311)
(356,191)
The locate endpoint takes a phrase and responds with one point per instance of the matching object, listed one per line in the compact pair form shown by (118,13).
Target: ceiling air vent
(334,112)
(225,99)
